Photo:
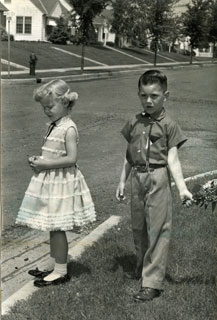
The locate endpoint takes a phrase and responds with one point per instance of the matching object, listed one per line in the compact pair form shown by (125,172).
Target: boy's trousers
(151,211)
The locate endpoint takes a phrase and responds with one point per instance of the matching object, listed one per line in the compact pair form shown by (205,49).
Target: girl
(57,198)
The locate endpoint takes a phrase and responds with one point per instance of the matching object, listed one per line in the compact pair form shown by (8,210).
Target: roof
(47,6)
(40,6)
(50,5)
(64,10)
(2,7)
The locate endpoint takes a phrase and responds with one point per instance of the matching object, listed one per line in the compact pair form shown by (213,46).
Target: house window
(24,25)
(19,28)
(28,25)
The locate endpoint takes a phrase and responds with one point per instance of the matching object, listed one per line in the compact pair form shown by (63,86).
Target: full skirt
(57,199)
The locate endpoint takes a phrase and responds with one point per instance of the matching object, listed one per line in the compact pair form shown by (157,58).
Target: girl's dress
(57,199)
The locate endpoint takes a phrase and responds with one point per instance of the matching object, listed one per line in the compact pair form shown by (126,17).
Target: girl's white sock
(60,270)
(52,263)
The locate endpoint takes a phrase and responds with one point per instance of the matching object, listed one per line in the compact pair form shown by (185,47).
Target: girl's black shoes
(43,283)
(38,273)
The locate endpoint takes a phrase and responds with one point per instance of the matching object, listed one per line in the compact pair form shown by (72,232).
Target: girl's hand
(32,159)
(37,165)
(120,192)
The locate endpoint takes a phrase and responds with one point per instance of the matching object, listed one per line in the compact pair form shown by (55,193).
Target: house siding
(25,8)
(57,11)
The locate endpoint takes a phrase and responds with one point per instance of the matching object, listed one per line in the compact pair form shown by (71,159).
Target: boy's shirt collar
(157,117)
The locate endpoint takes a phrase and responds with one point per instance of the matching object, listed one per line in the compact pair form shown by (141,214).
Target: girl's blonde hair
(58,88)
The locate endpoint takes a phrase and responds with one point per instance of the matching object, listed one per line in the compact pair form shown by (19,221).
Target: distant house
(2,16)
(102,24)
(180,6)
(33,20)
(184,44)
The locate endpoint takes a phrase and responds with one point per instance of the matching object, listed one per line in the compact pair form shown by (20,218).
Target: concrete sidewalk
(22,254)
(96,72)
(32,250)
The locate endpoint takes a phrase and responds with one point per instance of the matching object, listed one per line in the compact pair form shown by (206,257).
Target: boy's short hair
(151,77)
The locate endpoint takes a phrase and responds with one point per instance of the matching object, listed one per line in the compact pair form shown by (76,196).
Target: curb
(74,253)
(106,74)
(201,175)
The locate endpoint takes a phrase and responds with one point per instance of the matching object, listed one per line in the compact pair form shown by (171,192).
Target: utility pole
(9,45)
(9,15)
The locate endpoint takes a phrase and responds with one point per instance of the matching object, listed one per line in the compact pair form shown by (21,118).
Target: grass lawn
(4,67)
(149,55)
(98,290)
(49,58)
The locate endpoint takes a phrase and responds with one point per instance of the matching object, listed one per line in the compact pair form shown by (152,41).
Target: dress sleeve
(73,125)
(175,136)
(126,131)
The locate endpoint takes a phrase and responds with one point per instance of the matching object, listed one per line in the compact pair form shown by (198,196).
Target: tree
(60,33)
(159,15)
(82,18)
(128,20)
(212,24)
(174,32)
(195,23)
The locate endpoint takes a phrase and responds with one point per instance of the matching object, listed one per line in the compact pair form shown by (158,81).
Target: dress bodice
(54,146)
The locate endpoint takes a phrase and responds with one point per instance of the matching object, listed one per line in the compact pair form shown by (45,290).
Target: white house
(3,9)
(33,20)
(102,24)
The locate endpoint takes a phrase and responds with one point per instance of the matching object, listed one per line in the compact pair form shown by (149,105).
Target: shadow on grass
(138,51)
(76,269)
(199,279)
(127,262)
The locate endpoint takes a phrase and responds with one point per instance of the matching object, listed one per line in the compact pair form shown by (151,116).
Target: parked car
(4,36)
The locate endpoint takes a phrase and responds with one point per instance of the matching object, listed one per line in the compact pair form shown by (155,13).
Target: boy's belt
(144,168)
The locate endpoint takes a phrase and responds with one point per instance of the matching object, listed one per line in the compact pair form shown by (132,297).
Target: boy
(153,139)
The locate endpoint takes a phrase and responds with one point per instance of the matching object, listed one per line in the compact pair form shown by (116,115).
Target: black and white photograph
(108,159)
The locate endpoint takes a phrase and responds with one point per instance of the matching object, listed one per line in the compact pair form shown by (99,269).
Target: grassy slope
(98,291)
(51,58)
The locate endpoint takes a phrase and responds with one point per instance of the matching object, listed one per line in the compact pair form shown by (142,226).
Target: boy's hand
(120,192)
(186,197)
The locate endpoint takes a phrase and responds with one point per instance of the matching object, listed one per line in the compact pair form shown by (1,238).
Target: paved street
(101,111)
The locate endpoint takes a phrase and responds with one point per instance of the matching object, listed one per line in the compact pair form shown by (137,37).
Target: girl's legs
(59,251)
(59,246)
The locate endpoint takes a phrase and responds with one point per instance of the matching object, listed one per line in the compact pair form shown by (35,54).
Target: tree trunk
(191,56)
(155,53)
(213,53)
(82,57)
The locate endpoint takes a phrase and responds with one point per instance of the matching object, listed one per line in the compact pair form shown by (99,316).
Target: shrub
(60,34)
(110,44)
(187,52)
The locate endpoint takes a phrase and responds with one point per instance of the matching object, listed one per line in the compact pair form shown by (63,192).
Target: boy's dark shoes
(132,275)
(38,273)
(146,294)
(43,283)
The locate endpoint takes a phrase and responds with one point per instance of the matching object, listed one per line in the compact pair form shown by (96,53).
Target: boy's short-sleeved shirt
(165,134)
